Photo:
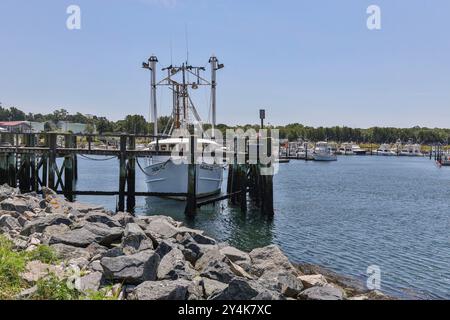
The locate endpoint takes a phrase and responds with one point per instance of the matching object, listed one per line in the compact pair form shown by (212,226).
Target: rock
(92,232)
(101,217)
(192,250)
(123,218)
(161,228)
(173,266)
(313,280)
(8,192)
(161,290)
(270,259)
(132,269)
(90,282)
(27,293)
(217,270)
(39,224)
(104,235)
(326,292)
(55,230)
(80,262)
(85,207)
(136,238)
(96,266)
(201,239)
(237,256)
(284,283)
(213,287)
(241,289)
(78,238)
(36,270)
(96,249)
(15,204)
(9,223)
(239,271)
(165,247)
(113,252)
(207,257)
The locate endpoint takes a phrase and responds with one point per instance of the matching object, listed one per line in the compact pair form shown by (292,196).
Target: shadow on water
(221,221)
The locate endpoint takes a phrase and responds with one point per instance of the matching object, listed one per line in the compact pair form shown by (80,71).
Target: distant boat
(351,149)
(323,152)
(411,150)
(385,150)
(357,150)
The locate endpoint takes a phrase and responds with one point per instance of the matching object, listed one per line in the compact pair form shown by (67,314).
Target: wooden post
(123,172)
(267,198)
(24,169)
(51,160)
(191,200)
(68,170)
(12,169)
(131,176)
(75,159)
(4,168)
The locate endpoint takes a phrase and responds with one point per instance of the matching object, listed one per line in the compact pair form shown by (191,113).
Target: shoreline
(72,250)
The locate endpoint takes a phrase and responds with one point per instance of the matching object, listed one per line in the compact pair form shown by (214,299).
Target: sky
(313,62)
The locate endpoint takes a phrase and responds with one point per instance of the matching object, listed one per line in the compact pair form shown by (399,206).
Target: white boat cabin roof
(184,141)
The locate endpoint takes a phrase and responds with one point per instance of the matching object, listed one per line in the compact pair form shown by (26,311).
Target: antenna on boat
(187,43)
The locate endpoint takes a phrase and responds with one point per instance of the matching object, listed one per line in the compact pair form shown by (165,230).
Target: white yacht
(346,149)
(357,150)
(168,173)
(323,152)
(385,150)
(411,150)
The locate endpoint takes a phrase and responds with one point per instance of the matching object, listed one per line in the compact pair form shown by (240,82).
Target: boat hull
(319,157)
(169,177)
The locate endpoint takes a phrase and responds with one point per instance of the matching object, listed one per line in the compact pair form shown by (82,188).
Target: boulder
(39,224)
(85,207)
(104,235)
(174,266)
(213,287)
(285,283)
(237,256)
(90,282)
(7,192)
(67,252)
(55,229)
(7,223)
(326,292)
(78,238)
(161,228)
(164,247)
(123,218)
(35,270)
(270,259)
(135,238)
(241,289)
(313,280)
(101,217)
(207,257)
(132,269)
(15,204)
(161,290)
(218,270)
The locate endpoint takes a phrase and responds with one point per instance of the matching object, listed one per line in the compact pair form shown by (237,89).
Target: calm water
(359,211)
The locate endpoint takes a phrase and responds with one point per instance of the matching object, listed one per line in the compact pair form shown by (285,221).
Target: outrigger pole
(151,65)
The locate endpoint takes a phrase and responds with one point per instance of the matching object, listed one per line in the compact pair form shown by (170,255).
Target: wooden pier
(29,161)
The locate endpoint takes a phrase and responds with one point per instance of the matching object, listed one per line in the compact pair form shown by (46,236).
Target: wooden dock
(29,161)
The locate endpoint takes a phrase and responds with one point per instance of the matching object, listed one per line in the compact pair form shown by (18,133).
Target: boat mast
(152,64)
(213,62)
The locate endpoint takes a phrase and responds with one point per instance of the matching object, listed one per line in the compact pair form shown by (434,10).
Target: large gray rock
(135,238)
(161,228)
(218,270)
(285,283)
(241,289)
(90,282)
(161,290)
(35,270)
(270,259)
(19,204)
(165,246)
(104,234)
(8,192)
(131,269)
(326,292)
(77,238)
(123,218)
(85,207)
(173,266)
(213,287)
(39,224)
(237,256)
(67,252)
(7,223)
(101,217)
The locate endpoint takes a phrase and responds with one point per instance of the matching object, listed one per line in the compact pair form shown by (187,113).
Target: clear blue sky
(312,62)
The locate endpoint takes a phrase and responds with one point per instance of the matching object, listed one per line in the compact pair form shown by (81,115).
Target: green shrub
(44,254)
(11,265)
(53,288)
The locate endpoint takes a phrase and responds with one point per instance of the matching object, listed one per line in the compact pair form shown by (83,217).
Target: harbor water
(361,211)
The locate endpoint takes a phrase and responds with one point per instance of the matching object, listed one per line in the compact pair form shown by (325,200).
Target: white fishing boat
(323,152)
(346,149)
(385,150)
(169,173)
(357,150)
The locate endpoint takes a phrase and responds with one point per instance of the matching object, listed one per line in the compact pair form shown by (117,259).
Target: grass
(13,263)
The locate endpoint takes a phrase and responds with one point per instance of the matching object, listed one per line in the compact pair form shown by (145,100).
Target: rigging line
(93,159)
(147,174)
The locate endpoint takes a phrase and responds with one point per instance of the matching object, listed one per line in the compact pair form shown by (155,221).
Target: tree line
(137,124)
